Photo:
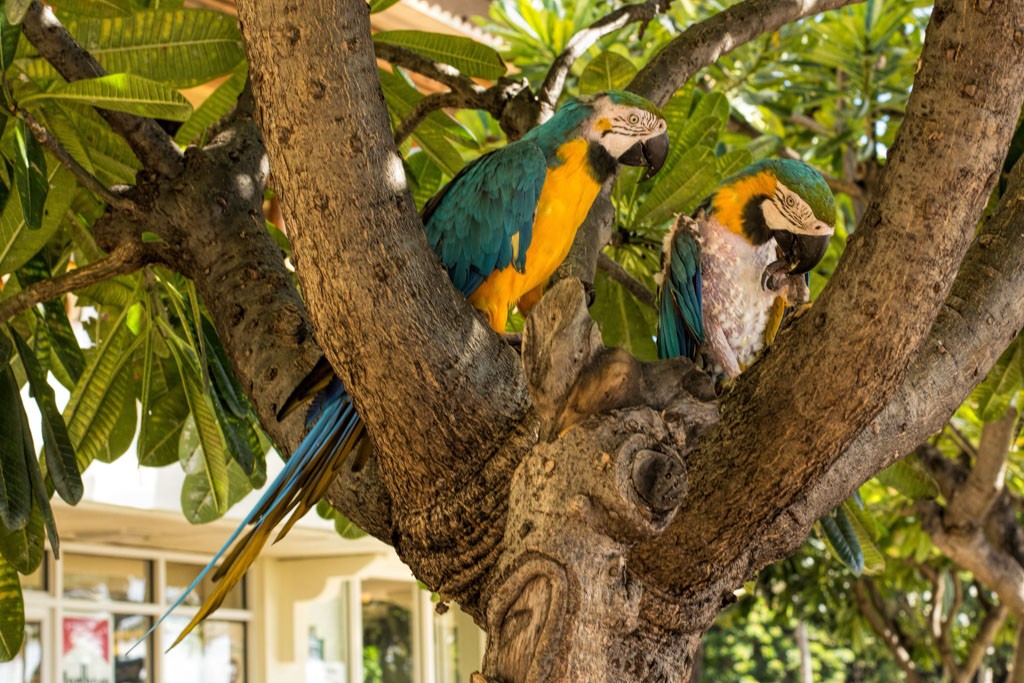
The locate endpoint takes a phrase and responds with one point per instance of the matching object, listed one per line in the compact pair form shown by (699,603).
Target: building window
(116,579)
(213,653)
(99,607)
(181,575)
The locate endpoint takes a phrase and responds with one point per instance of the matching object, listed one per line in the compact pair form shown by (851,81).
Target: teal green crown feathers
(800,178)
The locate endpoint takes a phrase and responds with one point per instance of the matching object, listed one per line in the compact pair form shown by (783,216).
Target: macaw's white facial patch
(787,211)
(617,127)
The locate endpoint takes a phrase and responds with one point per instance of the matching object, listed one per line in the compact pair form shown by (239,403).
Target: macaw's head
(784,199)
(628,128)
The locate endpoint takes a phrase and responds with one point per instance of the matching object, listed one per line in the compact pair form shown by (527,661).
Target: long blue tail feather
(335,428)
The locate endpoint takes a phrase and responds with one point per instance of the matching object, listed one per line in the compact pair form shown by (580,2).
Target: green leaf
(17,242)
(9,35)
(1003,382)
(424,175)
(380,5)
(219,103)
(12,612)
(182,48)
(57,448)
(692,179)
(164,409)
(343,526)
(200,498)
(623,320)
(122,92)
(910,479)
(24,548)
(15,487)
(608,71)
(97,401)
(208,460)
(15,10)
(96,8)
(30,175)
(841,540)
(111,158)
(40,493)
(866,530)
(468,56)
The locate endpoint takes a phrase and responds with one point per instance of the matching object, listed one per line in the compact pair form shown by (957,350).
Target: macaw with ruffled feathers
(729,275)
(500,228)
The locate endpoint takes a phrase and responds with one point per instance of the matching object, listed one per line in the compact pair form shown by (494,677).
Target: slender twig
(427,106)
(126,258)
(622,276)
(442,73)
(88,180)
(551,90)
(150,143)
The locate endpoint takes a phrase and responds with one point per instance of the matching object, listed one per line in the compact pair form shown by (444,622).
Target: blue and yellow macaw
(500,227)
(729,275)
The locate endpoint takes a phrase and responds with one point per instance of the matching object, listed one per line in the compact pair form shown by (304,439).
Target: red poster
(86,651)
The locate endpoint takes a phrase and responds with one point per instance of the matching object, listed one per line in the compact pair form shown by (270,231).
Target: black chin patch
(754,225)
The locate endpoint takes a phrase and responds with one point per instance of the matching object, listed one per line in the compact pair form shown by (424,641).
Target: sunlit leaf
(608,71)
(465,54)
(1002,383)
(910,479)
(122,92)
(182,48)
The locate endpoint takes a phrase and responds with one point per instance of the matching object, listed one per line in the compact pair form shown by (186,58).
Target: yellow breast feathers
(565,199)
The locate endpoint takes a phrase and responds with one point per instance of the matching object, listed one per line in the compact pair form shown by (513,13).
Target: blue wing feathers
(472,221)
(680,310)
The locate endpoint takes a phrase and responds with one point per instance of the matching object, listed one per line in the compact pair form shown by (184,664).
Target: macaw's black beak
(802,252)
(650,153)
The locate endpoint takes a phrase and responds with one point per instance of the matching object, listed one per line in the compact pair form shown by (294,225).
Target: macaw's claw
(775,275)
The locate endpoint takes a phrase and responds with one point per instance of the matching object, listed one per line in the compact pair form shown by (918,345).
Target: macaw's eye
(790,200)
(634,119)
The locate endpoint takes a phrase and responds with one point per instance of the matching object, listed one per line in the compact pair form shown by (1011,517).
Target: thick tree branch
(126,258)
(914,234)
(971,503)
(703,43)
(153,147)
(439,392)
(551,89)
